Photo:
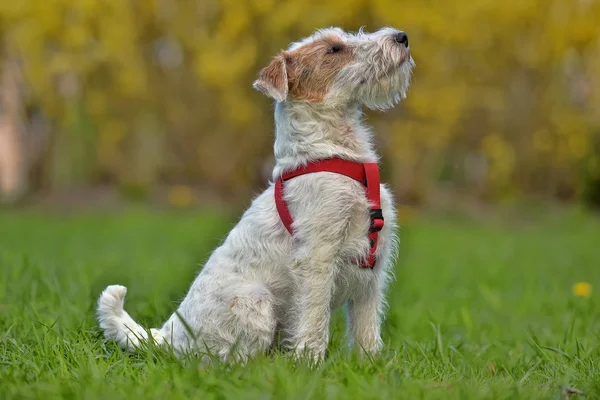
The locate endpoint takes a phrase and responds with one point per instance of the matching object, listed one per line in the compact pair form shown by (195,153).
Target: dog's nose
(401,38)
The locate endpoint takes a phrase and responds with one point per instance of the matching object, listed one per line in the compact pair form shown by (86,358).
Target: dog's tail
(117,324)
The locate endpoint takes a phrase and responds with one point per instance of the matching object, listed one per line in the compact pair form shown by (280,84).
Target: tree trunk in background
(13,163)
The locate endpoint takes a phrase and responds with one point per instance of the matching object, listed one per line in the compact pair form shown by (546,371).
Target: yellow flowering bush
(503,101)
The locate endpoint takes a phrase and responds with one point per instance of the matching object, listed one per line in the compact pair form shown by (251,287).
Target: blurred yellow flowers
(582,289)
(181,196)
(407,214)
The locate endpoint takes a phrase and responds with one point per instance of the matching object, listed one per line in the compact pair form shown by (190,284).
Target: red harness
(367,174)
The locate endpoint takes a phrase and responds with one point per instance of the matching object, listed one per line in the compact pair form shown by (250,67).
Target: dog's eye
(336,48)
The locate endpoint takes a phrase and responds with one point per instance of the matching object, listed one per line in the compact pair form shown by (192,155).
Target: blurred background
(104,100)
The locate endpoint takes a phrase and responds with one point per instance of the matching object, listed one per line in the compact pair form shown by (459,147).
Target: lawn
(478,310)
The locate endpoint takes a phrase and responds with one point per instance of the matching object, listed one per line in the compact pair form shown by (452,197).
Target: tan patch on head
(312,68)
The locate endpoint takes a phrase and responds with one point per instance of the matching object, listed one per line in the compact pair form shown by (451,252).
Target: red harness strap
(367,174)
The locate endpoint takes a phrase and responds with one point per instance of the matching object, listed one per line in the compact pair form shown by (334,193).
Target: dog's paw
(306,354)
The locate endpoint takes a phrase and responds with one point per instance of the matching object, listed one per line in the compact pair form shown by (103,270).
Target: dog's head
(335,68)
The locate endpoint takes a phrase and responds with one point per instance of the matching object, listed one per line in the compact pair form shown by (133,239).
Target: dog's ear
(273,81)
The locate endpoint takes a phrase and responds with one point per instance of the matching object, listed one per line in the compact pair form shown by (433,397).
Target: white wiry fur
(263,282)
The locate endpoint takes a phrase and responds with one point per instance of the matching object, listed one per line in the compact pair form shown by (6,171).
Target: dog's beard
(389,88)
(379,86)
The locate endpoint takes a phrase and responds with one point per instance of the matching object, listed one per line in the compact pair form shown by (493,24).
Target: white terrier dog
(264,282)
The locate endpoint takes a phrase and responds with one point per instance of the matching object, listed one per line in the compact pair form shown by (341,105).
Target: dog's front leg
(320,230)
(311,314)
(365,315)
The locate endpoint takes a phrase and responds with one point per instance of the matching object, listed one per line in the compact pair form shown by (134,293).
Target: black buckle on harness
(376,220)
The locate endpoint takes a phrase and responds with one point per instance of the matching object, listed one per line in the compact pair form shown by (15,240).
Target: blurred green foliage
(141,92)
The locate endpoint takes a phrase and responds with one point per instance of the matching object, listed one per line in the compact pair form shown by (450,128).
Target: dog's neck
(307,132)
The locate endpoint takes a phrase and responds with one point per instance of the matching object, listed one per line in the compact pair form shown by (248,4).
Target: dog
(263,282)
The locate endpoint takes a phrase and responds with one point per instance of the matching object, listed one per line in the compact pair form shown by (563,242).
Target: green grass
(477,311)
